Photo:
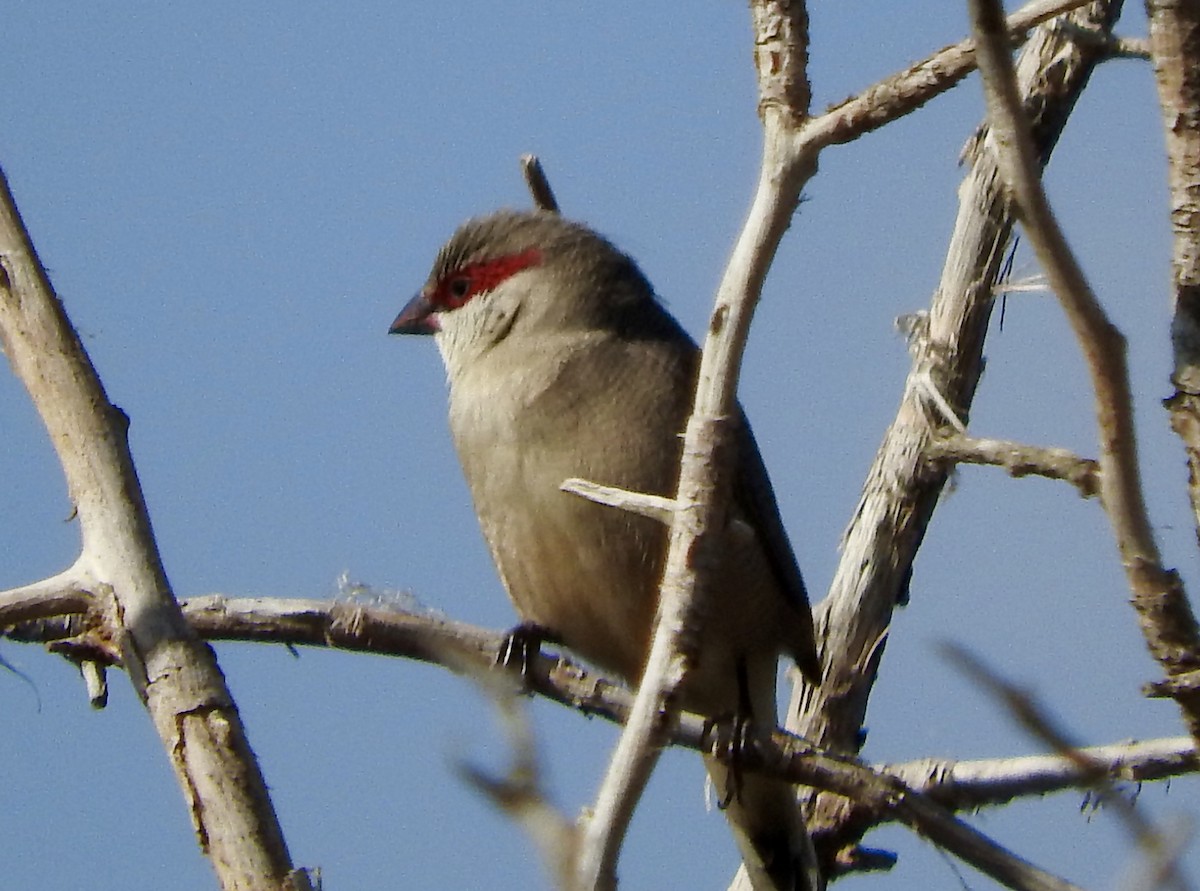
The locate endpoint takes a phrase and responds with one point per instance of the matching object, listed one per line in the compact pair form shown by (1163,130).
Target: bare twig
(908,90)
(656,507)
(1114,47)
(539,185)
(521,794)
(58,595)
(1165,616)
(967,785)
(1019,459)
(1094,774)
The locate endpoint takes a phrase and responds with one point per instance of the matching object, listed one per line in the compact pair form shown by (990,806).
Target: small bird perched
(562,363)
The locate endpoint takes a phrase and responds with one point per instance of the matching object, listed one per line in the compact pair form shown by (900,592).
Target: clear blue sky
(234,201)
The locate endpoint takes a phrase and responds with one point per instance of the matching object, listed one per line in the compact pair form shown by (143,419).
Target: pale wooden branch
(173,672)
(1175,43)
(55,596)
(967,785)
(702,494)
(1030,715)
(469,650)
(538,184)
(430,637)
(656,507)
(1019,459)
(902,488)
(1164,614)
(908,90)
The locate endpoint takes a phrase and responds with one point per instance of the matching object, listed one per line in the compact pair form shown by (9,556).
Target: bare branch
(1019,459)
(539,185)
(967,785)
(908,90)
(1175,41)
(521,794)
(902,489)
(1165,616)
(1038,723)
(956,785)
(781,56)
(1110,44)
(656,507)
(173,672)
(872,794)
(58,595)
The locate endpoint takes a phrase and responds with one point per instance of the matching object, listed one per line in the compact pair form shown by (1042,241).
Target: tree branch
(908,90)
(469,650)
(867,795)
(173,672)
(55,596)
(1175,45)
(656,507)
(902,488)
(1165,616)
(702,494)
(1019,459)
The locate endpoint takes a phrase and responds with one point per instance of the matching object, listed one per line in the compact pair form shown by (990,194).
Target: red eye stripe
(465,282)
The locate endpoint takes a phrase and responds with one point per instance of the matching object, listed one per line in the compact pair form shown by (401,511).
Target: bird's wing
(756,501)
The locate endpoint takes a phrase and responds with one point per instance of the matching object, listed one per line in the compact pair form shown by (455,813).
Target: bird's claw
(521,647)
(738,739)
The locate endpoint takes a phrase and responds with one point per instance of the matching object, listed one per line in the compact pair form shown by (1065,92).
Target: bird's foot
(736,735)
(522,645)
(741,739)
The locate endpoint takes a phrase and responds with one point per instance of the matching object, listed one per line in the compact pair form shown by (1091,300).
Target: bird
(562,362)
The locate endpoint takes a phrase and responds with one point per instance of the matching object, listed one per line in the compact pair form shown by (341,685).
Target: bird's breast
(586,572)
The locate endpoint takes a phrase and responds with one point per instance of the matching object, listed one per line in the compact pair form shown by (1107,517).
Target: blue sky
(234,201)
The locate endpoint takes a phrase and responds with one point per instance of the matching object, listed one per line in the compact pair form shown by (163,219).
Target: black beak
(417,317)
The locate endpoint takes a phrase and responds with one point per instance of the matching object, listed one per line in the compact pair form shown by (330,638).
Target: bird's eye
(459,287)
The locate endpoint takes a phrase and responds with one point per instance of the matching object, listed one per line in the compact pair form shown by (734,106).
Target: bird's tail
(764,814)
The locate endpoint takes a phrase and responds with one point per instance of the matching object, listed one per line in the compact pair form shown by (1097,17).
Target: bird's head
(515,273)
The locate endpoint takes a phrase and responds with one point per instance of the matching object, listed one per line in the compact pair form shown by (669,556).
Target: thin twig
(539,185)
(656,507)
(1019,459)
(908,90)
(1093,774)
(1110,44)
(521,792)
(58,595)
